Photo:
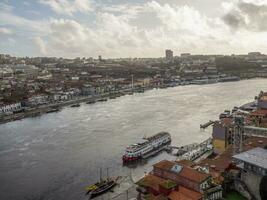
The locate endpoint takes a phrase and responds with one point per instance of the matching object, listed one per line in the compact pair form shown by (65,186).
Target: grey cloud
(247,15)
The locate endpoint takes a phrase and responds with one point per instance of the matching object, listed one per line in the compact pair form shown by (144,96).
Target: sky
(131,28)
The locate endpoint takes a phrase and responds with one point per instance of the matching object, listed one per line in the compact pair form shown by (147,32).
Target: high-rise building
(169,55)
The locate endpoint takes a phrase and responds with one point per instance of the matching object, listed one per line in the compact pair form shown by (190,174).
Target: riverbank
(44,109)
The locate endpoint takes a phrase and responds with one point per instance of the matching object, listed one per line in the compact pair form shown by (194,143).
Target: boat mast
(107,173)
(100,178)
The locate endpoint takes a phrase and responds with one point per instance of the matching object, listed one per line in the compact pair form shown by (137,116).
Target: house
(253,165)
(176,180)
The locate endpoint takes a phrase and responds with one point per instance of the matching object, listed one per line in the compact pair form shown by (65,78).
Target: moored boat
(102,187)
(147,147)
(90,102)
(52,110)
(75,105)
(102,99)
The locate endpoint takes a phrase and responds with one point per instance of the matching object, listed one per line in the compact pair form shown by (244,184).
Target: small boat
(103,99)
(101,187)
(75,105)
(90,102)
(52,110)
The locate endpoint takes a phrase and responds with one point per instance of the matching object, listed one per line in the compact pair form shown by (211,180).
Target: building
(169,55)
(10,108)
(177,180)
(253,164)
(222,133)
(262,100)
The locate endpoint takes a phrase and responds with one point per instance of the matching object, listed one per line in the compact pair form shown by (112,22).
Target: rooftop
(256,156)
(154,182)
(222,161)
(184,194)
(184,171)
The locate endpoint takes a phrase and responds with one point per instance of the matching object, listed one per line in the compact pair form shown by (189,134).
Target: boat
(52,110)
(229,78)
(75,105)
(225,114)
(147,147)
(102,99)
(101,187)
(90,102)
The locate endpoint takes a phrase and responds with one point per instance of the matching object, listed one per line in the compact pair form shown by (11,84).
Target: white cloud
(133,30)
(41,45)
(68,7)
(5,31)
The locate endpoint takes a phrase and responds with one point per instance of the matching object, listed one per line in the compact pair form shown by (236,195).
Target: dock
(191,151)
(206,125)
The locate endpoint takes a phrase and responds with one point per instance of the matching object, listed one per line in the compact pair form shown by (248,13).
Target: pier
(191,151)
(206,125)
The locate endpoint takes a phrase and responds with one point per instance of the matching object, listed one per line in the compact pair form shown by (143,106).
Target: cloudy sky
(131,28)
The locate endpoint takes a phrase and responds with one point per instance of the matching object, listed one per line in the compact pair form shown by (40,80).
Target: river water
(56,155)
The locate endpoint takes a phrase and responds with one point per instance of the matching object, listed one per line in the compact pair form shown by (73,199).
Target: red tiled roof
(164,164)
(186,172)
(193,175)
(185,163)
(261,112)
(185,194)
(227,120)
(222,161)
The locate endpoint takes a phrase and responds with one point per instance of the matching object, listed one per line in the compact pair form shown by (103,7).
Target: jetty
(191,151)
(206,125)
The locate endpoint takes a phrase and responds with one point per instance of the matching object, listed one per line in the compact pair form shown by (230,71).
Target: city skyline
(87,28)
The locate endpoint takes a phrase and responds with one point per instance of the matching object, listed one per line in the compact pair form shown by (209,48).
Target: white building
(10,108)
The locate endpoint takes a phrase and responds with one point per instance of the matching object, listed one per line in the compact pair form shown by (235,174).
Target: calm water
(54,156)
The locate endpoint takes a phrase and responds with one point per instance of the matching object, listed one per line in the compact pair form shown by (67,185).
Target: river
(56,155)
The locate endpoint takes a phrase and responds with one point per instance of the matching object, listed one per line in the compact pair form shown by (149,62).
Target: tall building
(169,55)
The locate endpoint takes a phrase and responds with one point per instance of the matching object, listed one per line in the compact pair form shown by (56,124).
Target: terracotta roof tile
(186,172)
(185,194)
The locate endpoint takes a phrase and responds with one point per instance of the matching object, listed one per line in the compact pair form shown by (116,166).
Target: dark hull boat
(103,99)
(101,187)
(75,105)
(90,102)
(53,110)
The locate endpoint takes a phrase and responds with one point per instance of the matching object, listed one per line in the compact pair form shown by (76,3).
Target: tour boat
(147,147)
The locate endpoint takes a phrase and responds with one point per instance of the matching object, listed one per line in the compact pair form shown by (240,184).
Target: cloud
(41,45)
(118,33)
(245,14)
(68,7)
(138,30)
(5,31)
